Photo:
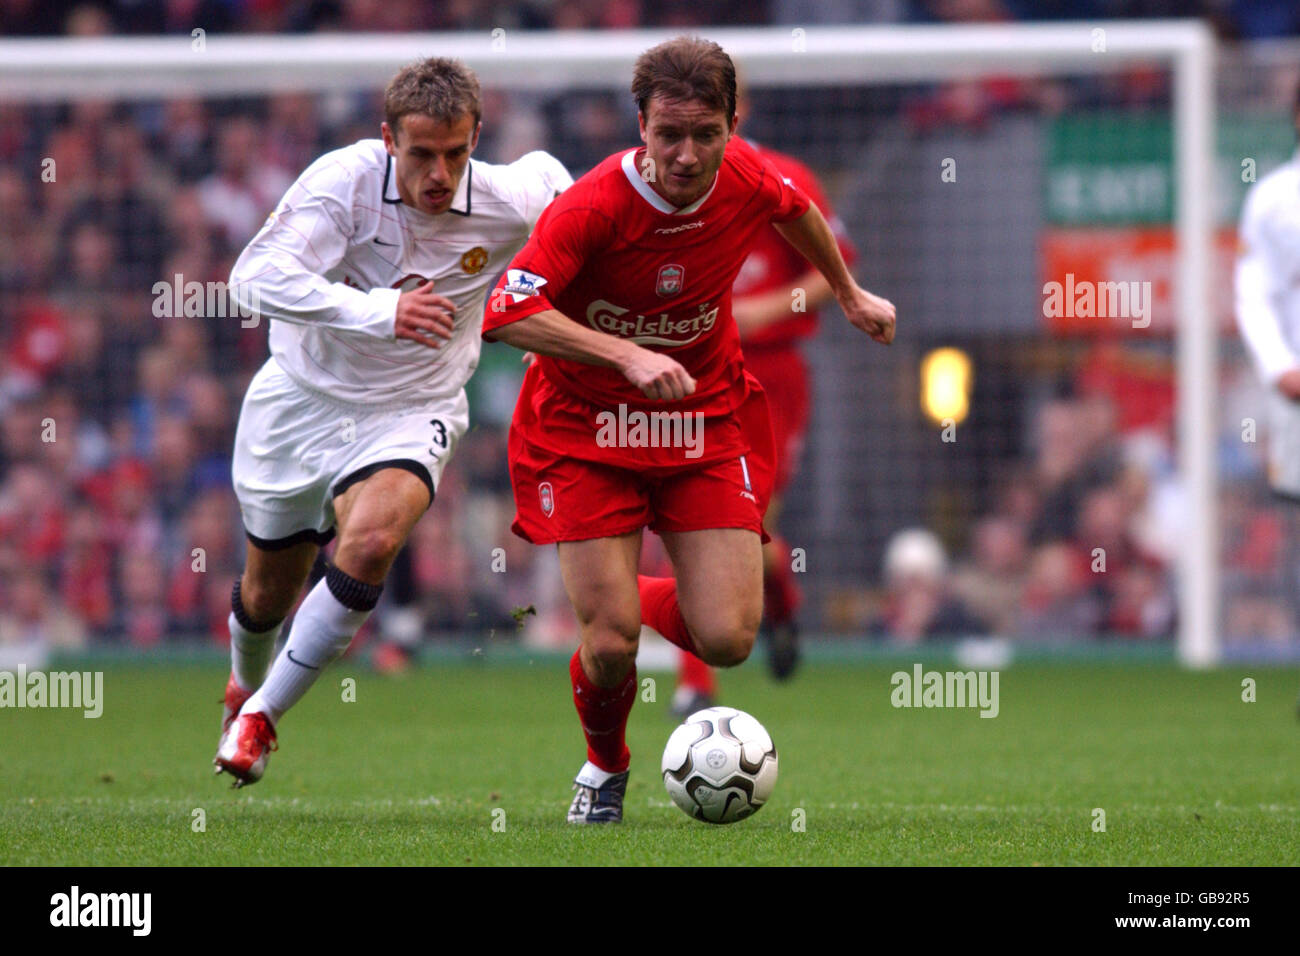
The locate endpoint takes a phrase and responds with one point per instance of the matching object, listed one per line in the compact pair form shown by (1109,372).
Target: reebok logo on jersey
(662,329)
(673,230)
(522,284)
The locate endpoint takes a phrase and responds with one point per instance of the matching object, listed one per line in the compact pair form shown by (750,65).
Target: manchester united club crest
(474,260)
(547,497)
(670,280)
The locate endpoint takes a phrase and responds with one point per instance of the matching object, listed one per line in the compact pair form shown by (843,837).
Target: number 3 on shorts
(439,435)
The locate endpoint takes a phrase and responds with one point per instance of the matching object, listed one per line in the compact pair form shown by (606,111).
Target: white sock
(250,653)
(321,632)
(592,776)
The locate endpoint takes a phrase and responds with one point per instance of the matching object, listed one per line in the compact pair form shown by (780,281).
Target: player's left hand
(870,313)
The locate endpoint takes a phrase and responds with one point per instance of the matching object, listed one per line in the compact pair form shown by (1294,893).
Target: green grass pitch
(412,772)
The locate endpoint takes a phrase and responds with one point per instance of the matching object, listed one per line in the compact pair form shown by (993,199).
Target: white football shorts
(296,450)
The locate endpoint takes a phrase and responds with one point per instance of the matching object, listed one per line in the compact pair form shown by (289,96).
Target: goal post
(49,71)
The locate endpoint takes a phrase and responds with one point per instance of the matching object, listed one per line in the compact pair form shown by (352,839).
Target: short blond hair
(440,87)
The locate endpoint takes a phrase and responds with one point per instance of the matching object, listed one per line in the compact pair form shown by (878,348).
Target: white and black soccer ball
(720,765)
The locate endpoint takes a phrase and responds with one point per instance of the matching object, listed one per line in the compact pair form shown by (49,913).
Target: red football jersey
(775,264)
(612,253)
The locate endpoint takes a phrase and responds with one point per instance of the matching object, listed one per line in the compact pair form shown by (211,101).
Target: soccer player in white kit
(373,272)
(1267,292)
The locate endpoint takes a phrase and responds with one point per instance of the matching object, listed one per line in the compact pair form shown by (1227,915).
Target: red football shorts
(784,377)
(559,497)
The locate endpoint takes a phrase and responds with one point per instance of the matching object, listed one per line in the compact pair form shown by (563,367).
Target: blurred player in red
(775,300)
(638,412)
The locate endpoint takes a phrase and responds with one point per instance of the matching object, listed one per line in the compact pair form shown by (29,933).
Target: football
(720,765)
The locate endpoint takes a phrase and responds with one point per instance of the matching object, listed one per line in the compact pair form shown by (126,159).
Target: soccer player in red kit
(638,412)
(775,299)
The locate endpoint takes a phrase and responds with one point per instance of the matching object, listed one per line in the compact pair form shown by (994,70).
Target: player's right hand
(423,316)
(657,375)
(870,313)
(1289,384)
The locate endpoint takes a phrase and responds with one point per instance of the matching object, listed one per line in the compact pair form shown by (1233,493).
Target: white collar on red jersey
(653,198)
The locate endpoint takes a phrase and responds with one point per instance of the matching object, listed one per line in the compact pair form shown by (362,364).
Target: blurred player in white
(1267,290)
(373,272)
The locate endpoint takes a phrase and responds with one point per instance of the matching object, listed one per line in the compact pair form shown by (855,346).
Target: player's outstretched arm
(811,235)
(755,312)
(551,333)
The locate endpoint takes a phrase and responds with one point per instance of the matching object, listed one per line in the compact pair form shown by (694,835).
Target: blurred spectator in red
(85,581)
(32,514)
(123,497)
(35,346)
(1057,605)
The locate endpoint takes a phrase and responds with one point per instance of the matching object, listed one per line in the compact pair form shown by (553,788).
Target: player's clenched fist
(871,314)
(423,315)
(657,375)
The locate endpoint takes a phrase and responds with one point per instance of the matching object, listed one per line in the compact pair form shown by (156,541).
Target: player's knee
(727,646)
(367,555)
(609,619)
(611,644)
(259,603)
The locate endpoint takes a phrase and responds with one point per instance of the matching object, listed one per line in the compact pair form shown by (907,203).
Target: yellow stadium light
(947,376)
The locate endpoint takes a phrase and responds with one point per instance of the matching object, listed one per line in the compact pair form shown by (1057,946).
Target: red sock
(695,674)
(781,596)
(660,610)
(603,712)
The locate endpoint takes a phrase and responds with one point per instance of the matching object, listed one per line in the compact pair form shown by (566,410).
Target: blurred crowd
(1079,539)
(117,520)
(1083,535)
(1233,19)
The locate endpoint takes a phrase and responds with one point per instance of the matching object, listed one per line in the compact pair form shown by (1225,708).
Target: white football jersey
(1267,286)
(328,266)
